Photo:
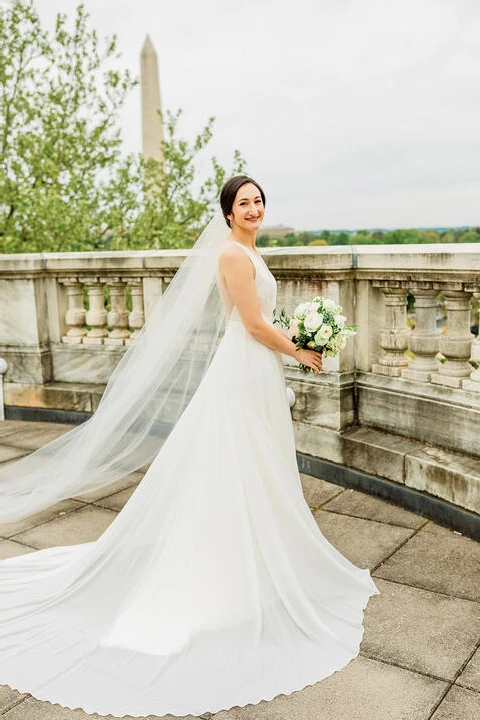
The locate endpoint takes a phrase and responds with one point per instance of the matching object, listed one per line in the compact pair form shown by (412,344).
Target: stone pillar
(456,343)
(117,317)
(75,315)
(473,382)
(424,340)
(96,315)
(136,318)
(394,334)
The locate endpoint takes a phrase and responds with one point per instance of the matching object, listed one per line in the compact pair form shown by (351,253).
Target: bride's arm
(238,275)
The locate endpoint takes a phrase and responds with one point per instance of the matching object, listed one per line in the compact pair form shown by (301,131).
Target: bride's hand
(310,358)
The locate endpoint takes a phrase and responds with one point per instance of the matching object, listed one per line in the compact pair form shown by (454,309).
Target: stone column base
(421,376)
(391,370)
(471,385)
(447,380)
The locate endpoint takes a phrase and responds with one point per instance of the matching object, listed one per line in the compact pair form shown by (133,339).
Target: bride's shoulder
(235,261)
(232,253)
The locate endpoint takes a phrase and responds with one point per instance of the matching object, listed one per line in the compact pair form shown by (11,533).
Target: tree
(470,236)
(59,106)
(64,182)
(429,236)
(152,204)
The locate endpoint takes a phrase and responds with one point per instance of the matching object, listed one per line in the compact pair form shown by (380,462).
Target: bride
(214,586)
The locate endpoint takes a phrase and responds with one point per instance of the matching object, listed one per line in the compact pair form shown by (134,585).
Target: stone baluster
(96,315)
(3,370)
(424,340)
(394,334)
(136,318)
(473,382)
(456,343)
(75,314)
(117,317)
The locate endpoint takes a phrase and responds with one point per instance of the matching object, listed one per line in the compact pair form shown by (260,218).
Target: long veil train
(144,397)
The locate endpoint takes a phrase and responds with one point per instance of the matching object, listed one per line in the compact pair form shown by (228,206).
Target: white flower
(312,321)
(312,344)
(323,335)
(329,305)
(341,342)
(301,310)
(340,321)
(293,328)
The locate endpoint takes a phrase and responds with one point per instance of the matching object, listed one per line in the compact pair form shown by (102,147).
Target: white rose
(312,321)
(329,305)
(323,335)
(293,328)
(301,310)
(340,321)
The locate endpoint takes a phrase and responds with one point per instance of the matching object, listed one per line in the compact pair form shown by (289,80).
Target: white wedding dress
(213,587)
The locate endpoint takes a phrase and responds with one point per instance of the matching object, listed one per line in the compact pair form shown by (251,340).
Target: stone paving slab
(32,709)
(15,428)
(420,630)
(57,510)
(127,481)
(7,427)
(431,526)
(8,452)
(459,704)
(117,500)
(359,504)
(9,698)
(470,677)
(10,548)
(84,525)
(317,491)
(35,438)
(364,690)
(364,542)
(450,565)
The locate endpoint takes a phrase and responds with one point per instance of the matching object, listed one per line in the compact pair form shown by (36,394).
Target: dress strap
(251,252)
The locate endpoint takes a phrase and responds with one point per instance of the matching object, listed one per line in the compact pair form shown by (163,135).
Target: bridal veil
(145,395)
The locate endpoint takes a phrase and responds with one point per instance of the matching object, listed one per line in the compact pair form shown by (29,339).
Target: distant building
(276,231)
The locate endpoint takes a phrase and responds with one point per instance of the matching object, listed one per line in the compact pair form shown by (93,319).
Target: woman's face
(247,209)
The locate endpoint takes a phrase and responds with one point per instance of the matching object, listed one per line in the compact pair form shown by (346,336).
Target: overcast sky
(350,113)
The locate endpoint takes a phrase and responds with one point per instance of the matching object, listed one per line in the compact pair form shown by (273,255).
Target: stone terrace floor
(420,655)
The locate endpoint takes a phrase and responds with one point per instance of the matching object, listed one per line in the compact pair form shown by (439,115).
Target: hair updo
(228,193)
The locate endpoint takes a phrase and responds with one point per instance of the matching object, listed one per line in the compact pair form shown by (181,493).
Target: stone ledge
(451,477)
(434,508)
(72,397)
(433,414)
(448,475)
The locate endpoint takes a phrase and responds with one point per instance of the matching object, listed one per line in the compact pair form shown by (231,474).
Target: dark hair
(229,191)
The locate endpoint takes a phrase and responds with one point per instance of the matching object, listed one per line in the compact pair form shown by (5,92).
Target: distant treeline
(372,237)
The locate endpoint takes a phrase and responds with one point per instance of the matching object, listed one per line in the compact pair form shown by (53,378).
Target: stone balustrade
(401,402)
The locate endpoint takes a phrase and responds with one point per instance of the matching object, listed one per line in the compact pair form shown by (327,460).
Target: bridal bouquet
(318,325)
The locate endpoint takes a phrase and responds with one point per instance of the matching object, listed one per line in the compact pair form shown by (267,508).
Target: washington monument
(152,126)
